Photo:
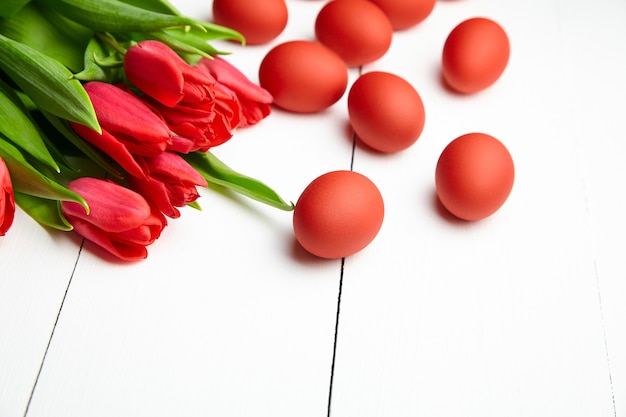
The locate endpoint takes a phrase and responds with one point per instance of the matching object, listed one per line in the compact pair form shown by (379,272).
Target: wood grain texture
(503,316)
(35,270)
(521,314)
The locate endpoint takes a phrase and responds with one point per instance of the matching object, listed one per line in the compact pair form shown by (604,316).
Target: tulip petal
(170,166)
(112,147)
(122,250)
(227,74)
(143,235)
(7,199)
(172,183)
(255,101)
(227,104)
(156,70)
(112,207)
(121,221)
(146,66)
(121,112)
(181,144)
(156,192)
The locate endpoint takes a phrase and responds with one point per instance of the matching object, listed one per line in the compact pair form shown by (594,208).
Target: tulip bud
(172,183)
(156,70)
(255,100)
(119,220)
(200,111)
(129,126)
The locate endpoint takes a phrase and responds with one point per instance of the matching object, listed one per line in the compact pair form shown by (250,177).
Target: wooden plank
(227,316)
(521,314)
(599,128)
(35,269)
(499,317)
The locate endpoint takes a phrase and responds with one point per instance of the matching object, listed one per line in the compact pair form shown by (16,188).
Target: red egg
(475,55)
(259,21)
(338,214)
(404,14)
(385,111)
(303,76)
(474,176)
(357,30)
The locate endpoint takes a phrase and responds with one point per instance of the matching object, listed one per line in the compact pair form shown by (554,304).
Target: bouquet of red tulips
(130,89)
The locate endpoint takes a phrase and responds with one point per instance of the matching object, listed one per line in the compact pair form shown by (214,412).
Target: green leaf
(26,179)
(60,148)
(182,39)
(115,16)
(216,172)
(101,63)
(56,153)
(47,82)
(26,101)
(42,31)
(66,26)
(195,205)
(213,31)
(22,131)
(86,148)
(10,7)
(182,45)
(202,32)
(159,6)
(44,211)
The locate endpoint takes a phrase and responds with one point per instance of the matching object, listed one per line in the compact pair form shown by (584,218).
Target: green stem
(111,41)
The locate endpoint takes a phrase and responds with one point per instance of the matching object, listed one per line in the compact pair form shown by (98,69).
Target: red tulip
(129,126)
(7,199)
(255,100)
(156,70)
(200,127)
(171,183)
(196,108)
(119,220)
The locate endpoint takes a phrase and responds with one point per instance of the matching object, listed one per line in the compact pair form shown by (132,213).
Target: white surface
(521,314)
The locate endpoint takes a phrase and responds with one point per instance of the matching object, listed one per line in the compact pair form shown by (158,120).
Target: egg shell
(385,111)
(259,21)
(338,214)
(303,76)
(475,54)
(357,30)
(404,14)
(474,176)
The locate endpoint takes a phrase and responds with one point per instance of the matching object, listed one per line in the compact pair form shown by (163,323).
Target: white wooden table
(522,314)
